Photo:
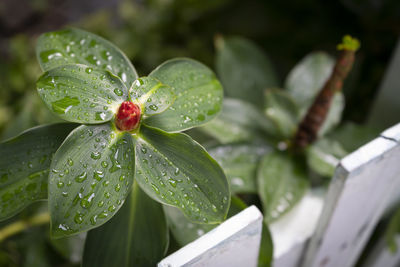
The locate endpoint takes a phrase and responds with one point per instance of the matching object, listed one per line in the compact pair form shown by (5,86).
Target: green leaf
(91,175)
(392,231)
(71,248)
(308,77)
(239,121)
(281,109)
(324,155)
(153,96)
(265,257)
(175,170)
(334,115)
(72,46)
(240,162)
(24,166)
(244,69)
(198,95)
(282,181)
(79,93)
(136,236)
(186,231)
(352,136)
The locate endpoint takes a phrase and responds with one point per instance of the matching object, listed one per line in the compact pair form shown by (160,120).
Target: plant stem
(308,129)
(21,225)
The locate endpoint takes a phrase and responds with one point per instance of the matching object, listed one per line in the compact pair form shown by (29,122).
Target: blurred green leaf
(136,236)
(308,77)
(283,111)
(91,175)
(324,155)
(71,248)
(240,121)
(240,162)
(352,136)
(334,115)
(24,166)
(54,49)
(175,170)
(392,231)
(198,95)
(266,254)
(244,69)
(282,182)
(79,93)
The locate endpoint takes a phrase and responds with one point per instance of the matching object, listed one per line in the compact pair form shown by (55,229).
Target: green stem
(21,225)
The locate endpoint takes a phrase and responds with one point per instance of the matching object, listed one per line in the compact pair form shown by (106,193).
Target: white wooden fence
(326,229)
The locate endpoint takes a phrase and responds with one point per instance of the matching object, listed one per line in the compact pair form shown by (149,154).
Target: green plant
(274,142)
(128,150)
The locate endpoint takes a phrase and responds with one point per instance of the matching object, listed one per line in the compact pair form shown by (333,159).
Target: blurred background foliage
(151,31)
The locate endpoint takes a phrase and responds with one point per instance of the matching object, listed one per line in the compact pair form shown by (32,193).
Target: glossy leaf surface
(198,95)
(245,71)
(282,181)
(175,170)
(136,236)
(240,162)
(91,175)
(239,121)
(283,111)
(324,155)
(153,96)
(79,93)
(73,46)
(308,77)
(24,166)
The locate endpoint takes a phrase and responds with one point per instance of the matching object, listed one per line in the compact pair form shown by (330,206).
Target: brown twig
(308,129)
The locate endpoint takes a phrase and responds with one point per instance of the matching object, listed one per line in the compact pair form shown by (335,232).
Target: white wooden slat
(236,242)
(293,230)
(359,193)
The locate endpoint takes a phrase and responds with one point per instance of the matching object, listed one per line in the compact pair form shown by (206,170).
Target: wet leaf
(186,231)
(175,170)
(308,77)
(240,162)
(136,236)
(198,95)
(239,121)
(153,96)
(281,109)
(324,155)
(244,69)
(91,175)
(282,181)
(24,166)
(79,93)
(72,46)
